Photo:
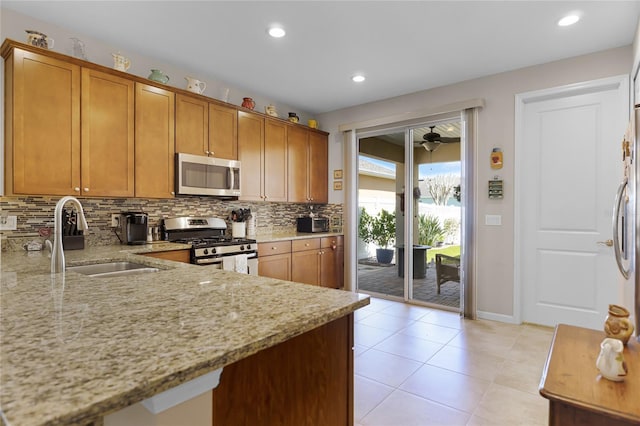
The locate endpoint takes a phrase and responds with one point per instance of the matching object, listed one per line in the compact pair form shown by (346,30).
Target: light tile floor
(420,366)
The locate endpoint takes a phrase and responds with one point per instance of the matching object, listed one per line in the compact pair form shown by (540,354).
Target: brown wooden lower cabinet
(315,261)
(175,255)
(307,380)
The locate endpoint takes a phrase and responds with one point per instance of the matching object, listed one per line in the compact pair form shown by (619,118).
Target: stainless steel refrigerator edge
(633,295)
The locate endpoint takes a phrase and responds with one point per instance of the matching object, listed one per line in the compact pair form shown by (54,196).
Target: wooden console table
(577,394)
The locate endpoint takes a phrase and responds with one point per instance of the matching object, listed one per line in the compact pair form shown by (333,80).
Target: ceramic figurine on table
(610,362)
(618,325)
(157,75)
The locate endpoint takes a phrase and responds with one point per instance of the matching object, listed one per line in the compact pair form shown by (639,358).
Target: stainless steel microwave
(200,175)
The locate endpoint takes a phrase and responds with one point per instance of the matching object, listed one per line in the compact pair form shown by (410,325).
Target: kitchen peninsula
(75,348)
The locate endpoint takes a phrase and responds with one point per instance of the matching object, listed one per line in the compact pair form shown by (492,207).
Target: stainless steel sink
(112,269)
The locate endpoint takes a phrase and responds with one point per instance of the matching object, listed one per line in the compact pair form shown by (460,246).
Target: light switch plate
(493,219)
(8,223)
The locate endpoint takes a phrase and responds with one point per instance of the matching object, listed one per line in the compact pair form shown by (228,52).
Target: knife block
(73,242)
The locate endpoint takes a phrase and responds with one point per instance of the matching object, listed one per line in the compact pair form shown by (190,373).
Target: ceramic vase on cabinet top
(157,75)
(248,103)
(195,86)
(618,325)
(271,110)
(293,117)
(38,39)
(120,63)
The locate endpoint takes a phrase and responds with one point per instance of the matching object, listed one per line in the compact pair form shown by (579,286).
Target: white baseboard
(497,317)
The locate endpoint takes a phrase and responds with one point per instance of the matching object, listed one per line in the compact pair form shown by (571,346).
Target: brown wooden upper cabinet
(307,166)
(154,146)
(204,128)
(262,151)
(49,150)
(42,125)
(107,135)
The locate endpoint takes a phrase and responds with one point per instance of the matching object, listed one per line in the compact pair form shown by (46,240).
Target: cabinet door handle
(173,193)
(207,152)
(86,189)
(274,248)
(77,189)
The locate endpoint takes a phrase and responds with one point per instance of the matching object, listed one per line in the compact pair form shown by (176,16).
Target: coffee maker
(133,228)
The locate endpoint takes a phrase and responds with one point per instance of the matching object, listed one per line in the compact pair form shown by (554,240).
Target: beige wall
(495,258)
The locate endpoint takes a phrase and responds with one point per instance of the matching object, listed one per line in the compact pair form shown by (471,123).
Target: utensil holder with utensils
(72,238)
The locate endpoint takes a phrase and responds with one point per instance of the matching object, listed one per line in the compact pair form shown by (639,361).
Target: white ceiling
(401,46)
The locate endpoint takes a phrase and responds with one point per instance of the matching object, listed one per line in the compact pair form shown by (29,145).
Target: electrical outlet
(8,223)
(115,220)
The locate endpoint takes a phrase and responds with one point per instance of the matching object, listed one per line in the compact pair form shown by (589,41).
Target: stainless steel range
(210,246)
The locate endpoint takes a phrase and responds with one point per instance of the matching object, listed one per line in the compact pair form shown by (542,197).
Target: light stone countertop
(73,347)
(283,236)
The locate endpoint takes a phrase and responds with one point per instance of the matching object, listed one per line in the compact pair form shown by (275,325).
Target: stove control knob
(241,248)
(206,251)
(214,251)
(248,247)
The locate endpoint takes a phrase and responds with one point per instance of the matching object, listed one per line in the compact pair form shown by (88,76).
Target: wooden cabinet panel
(297,162)
(308,166)
(318,168)
(277,266)
(223,131)
(332,262)
(274,160)
(273,248)
(43,125)
(305,244)
(305,267)
(307,380)
(154,150)
(107,135)
(250,140)
(183,256)
(192,125)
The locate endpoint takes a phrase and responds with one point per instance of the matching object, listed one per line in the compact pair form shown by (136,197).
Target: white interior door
(569,166)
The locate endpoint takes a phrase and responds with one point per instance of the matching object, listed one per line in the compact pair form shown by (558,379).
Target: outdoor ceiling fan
(433,140)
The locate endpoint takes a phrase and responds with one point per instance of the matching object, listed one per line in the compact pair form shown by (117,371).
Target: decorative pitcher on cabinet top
(38,39)
(157,75)
(195,85)
(120,63)
(248,103)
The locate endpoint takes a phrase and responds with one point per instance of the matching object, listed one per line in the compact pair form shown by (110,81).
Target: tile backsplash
(36,214)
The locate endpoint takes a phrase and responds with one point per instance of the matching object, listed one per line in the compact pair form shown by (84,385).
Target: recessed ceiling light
(568,20)
(276,32)
(359,78)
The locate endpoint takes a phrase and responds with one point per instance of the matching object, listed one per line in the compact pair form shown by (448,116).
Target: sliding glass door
(409,217)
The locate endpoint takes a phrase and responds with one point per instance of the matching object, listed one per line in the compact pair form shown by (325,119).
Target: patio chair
(447,269)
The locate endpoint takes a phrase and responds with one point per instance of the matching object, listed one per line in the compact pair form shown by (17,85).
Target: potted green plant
(383,233)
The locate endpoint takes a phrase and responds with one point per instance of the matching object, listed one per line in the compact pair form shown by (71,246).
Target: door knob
(608,243)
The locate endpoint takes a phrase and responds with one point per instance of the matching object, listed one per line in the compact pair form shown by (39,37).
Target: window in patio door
(430,209)
(380,177)
(437,214)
